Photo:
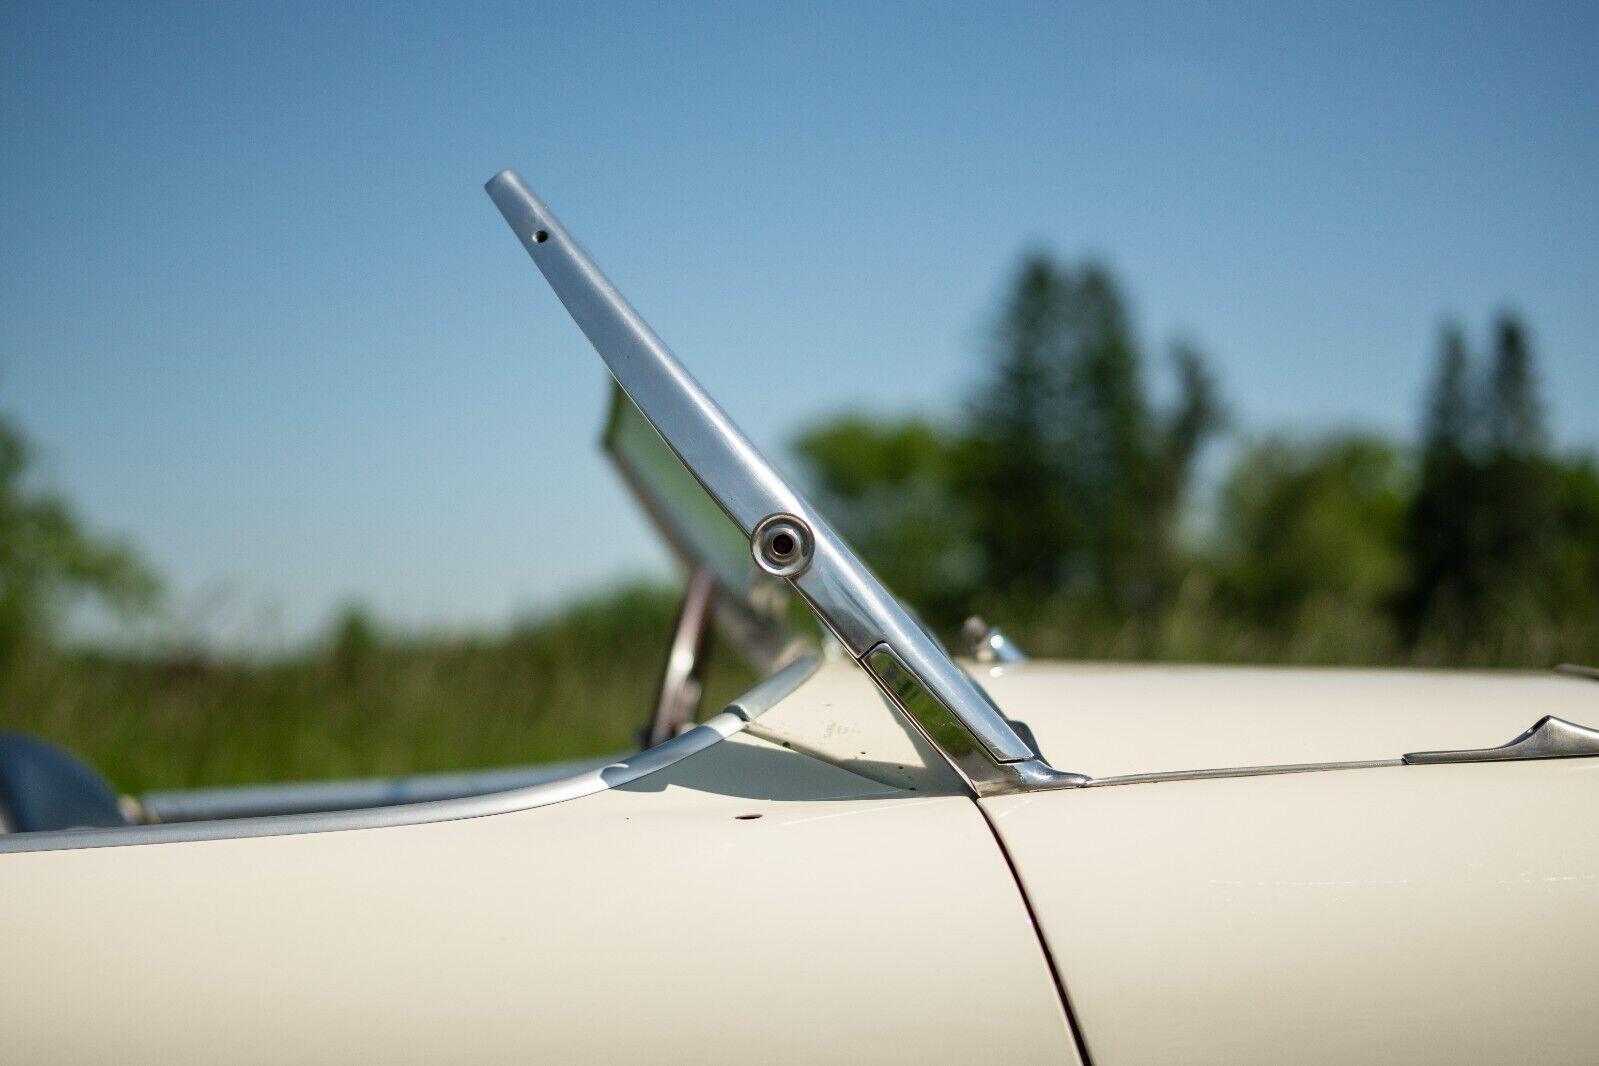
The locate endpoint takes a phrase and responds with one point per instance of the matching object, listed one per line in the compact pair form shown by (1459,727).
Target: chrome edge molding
(1548,738)
(754,703)
(1239,771)
(847,598)
(311,797)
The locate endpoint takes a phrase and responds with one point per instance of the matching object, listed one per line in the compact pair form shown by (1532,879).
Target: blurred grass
(577,683)
(1195,628)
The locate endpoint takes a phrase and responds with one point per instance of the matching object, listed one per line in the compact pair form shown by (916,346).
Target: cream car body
(878,855)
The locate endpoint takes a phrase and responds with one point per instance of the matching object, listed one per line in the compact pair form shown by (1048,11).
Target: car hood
(1110,720)
(1437,913)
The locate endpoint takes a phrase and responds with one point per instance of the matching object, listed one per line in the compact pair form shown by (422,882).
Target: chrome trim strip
(754,703)
(1548,738)
(848,599)
(308,797)
(1238,771)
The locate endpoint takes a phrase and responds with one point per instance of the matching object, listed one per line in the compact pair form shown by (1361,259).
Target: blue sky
(260,317)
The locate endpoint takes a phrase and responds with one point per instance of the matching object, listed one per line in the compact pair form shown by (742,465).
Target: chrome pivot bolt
(782,545)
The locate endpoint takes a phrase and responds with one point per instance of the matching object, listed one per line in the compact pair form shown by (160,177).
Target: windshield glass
(752,607)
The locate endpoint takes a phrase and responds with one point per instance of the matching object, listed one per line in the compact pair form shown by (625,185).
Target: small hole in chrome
(540,236)
(783,545)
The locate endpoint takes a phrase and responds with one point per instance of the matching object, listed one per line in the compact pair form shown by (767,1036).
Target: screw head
(782,545)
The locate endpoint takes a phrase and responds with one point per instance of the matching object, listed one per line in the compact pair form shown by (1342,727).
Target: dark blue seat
(43,787)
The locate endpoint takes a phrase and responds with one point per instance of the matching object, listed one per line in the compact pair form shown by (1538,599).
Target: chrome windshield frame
(790,539)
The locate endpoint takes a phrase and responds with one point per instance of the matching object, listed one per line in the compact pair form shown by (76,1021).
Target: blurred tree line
(1061,503)
(48,560)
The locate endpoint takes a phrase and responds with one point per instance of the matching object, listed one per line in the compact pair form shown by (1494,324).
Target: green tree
(1106,458)
(1197,416)
(1514,412)
(48,560)
(1075,481)
(1517,514)
(1024,524)
(1483,529)
(353,641)
(1311,540)
(889,485)
(1574,558)
(1443,586)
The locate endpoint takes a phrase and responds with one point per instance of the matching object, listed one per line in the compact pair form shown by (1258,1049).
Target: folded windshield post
(788,538)
(677,700)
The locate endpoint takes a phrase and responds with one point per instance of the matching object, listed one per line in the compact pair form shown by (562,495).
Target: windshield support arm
(683,678)
(789,538)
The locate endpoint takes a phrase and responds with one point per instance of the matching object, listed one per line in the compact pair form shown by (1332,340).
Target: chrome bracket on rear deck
(1548,738)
